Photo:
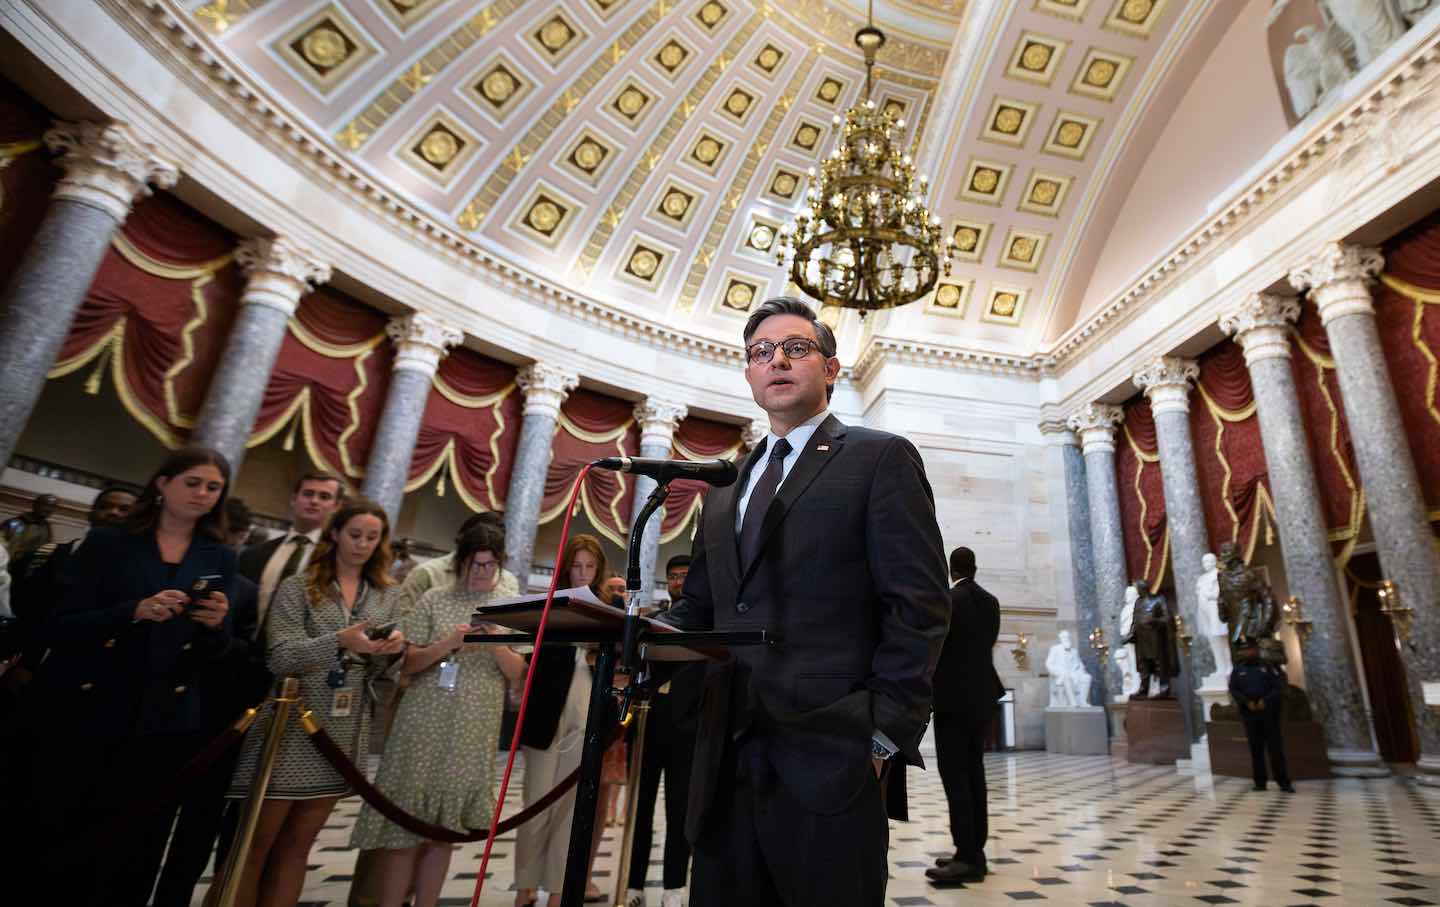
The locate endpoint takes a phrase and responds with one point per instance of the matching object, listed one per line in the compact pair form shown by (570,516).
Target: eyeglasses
(484,566)
(793,347)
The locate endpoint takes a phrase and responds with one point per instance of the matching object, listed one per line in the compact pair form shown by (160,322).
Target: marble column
(1095,423)
(1261,325)
(420,343)
(278,273)
(107,168)
(545,387)
(1082,554)
(658,421)
(1166,382)
(1338,280)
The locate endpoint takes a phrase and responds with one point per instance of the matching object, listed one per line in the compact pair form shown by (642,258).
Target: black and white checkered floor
(1091,830)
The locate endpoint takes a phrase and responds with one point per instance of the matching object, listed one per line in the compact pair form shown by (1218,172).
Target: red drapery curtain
(1142,495)
(1407,312)
(329,382)
(695,439)
(469,431)
(591,426)
(1327,431)
(1229,454)
(157,315)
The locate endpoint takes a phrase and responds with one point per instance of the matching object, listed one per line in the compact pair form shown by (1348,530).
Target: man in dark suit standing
(314,498)
(966,687)
(828,542)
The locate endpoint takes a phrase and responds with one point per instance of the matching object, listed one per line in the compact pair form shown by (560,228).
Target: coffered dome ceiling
(646,153)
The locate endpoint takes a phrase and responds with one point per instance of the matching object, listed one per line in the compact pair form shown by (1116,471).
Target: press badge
(342,704)
(449,676)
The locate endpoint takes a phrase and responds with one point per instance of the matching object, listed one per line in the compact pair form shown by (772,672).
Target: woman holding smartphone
(321,628)
(439,763)
(116,707)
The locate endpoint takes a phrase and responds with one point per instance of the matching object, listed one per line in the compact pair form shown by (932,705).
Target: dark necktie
(759,503)
(292,564)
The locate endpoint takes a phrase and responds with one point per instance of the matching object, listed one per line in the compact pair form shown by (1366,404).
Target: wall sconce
(1180,634)
(1097,642)
(1398,610)
(1293,613)
(1020,653)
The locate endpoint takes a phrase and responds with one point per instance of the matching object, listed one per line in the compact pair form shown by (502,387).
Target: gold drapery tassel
(440,485)
(97,375)
(290,435)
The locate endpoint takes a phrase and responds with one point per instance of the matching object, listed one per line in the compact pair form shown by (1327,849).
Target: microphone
(712,472)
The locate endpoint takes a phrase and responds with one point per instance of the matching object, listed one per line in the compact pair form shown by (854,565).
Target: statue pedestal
(1304,750)
(1076,732)
(1119,743)
(1156,732)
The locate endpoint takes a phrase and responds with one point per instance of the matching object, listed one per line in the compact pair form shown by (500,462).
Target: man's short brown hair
(321,476)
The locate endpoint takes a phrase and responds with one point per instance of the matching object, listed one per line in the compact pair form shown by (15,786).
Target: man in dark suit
(966,687)
(828,542)
(314,498)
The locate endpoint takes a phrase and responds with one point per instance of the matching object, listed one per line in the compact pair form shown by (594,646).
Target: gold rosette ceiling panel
(865,239)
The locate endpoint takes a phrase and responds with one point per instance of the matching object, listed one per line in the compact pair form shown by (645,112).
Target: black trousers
(761,848)
(88,840)
(196,830)
(1263,733)
(960,753)
(667,752)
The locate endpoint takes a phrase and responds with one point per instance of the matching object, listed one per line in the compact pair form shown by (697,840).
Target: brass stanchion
(250,818)
(632,800)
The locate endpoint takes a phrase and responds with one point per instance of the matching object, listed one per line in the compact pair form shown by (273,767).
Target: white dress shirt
(798,437)
(270,576)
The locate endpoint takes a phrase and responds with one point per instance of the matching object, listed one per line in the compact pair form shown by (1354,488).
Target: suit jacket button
(110,643)
(87,687)
(180,688)
(742,607)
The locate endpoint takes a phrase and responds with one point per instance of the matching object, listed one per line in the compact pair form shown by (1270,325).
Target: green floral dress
(439,762)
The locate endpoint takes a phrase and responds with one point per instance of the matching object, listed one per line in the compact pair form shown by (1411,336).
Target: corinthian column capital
(545,387)
(1166,382)
(1096,424)
(421,342)
(658,420)
(107,166)
(1261,325)
(278,272)
(1338,278)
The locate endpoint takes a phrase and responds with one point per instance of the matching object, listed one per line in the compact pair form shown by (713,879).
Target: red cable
(525,697)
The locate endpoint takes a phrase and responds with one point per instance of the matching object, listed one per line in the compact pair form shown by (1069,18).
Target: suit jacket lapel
(725,502)
(830,435)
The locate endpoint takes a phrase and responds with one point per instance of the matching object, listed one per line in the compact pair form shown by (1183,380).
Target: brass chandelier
(865,239)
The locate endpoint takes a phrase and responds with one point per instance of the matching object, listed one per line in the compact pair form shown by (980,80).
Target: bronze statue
(1153,633)
(1248,606)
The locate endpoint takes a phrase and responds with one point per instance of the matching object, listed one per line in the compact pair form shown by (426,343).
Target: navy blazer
(967,685)
(110,675)
(851,582)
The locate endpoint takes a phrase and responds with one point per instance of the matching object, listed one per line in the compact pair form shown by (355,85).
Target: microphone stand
(601,717)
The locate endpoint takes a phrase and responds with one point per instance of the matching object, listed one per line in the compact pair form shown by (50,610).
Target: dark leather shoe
(944,861)
(1288,788)
(956,872)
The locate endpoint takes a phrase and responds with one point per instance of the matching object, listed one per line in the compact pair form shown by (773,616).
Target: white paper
(1430,690)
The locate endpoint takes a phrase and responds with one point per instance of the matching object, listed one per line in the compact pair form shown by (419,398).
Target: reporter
(439,762)
(318,630)
(116,707)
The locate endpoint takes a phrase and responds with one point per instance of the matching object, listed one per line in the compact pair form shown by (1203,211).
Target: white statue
(1126,624)
(1413,11)
(1129,677)
(1314,67)
(1212,627)
(1372,25)
(1069,681)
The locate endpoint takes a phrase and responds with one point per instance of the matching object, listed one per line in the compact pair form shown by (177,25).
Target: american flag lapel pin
(822,447)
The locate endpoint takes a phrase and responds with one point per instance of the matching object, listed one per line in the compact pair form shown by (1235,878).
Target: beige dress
(439,763)
(301,643)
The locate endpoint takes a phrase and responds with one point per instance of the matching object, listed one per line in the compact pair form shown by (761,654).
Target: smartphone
(380,632)
(202,588)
